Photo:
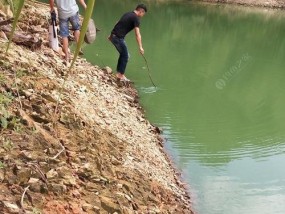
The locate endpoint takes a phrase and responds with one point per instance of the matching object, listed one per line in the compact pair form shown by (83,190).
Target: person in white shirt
(67,12)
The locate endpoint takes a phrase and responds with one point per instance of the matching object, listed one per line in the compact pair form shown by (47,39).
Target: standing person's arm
(139,39)
(51,4)
(82,2)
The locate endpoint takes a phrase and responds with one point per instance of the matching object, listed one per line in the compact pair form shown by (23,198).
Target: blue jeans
(121,47)
(64,25)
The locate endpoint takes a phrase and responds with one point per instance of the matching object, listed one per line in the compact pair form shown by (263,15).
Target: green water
(220,97)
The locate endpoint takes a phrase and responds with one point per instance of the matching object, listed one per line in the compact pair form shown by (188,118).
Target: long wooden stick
(148,70)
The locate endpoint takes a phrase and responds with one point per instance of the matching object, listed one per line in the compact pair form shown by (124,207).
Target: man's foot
(66,60)
(125,79)
(122,77)
(66,63)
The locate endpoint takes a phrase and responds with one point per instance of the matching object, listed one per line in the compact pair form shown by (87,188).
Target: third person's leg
(64,33)
(75,22)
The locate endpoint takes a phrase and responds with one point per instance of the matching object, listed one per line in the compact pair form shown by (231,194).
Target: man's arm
(51,4)
(82,2)
(139,39)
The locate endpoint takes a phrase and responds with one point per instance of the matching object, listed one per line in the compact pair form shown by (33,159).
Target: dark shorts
(64,25)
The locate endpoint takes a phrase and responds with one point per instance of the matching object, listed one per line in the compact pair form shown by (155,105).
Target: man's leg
(74,20)
(64,33)
(121,47)
(76,35)
(65,48)
(123,60)
(122,64)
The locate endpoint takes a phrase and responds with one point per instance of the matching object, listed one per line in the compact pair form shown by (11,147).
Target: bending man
(128,22)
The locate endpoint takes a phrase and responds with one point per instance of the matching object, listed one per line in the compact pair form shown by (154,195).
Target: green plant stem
(17,15)
(87,16)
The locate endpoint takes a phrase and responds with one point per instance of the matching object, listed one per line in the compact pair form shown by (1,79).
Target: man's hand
(141,50)
(82,2)
(53,16)
(51,3)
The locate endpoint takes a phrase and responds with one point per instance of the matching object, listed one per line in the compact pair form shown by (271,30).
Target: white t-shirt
(66,8)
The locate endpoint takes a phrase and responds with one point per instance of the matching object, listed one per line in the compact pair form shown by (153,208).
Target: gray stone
(51,174)
(107,69)
(58,188)
(13,208)
(87,207)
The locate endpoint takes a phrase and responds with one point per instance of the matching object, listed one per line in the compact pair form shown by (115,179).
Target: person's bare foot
(66,60)
(122,77)
(119,75)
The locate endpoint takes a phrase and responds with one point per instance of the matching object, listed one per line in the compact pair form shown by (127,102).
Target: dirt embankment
(258,3)
(76,143)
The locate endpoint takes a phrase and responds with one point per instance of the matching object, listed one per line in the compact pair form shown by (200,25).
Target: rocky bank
(75,142)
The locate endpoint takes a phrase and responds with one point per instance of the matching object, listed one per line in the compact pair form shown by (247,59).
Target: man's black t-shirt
(128,22)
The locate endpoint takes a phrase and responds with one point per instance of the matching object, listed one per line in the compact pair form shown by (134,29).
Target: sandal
(124,79)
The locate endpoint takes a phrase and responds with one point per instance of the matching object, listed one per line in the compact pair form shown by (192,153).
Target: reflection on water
(148,90)
(242,186)
(220,97)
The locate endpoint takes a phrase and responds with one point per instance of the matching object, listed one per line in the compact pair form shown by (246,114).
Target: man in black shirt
(128,22)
